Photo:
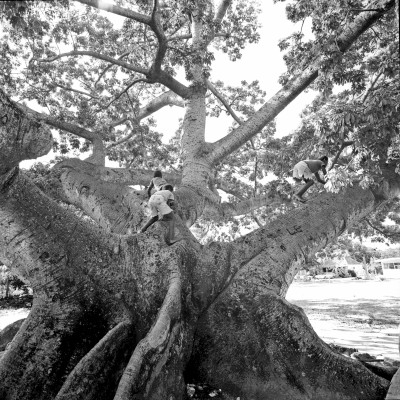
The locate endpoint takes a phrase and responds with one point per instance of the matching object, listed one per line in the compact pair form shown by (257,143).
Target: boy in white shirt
(159,204)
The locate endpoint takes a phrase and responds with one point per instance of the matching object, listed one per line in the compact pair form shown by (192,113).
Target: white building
(390,267)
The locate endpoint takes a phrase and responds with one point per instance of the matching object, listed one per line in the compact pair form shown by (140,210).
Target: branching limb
(98,151)
(95,371)
(114,9)
(385,232)
(165,99)
(342,147)
(221,9)
(274,253)
(371,87)
(99,56)
(219,96)
(63,125)
(134,82)
(121,213)
(290,91)
(157,28)
(110,66)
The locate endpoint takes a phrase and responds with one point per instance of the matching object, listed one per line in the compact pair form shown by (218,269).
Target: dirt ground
(353,313)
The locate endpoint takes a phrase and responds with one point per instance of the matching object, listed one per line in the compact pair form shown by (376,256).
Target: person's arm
(319,178)
(149,188)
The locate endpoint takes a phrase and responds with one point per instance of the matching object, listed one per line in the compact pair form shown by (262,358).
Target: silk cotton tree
(121,315)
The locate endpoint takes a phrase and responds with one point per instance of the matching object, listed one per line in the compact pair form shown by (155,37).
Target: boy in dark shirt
(156,183)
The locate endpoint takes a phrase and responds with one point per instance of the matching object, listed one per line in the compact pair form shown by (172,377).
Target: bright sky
(261,61)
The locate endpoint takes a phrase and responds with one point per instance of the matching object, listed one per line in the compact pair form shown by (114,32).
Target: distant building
(354,265)
(390,267)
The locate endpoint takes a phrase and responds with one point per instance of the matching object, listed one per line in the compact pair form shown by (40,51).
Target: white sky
(261,61)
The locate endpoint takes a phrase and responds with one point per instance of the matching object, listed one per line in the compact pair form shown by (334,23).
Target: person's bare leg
(149,223)
(300,193)
(171,239)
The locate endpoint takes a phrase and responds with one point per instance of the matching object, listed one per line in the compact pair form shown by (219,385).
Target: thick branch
(289,92)
(272,255)
(98,151)
(157,28)
(222,7)
(124,12)
(117,175)
(165,99)
(21,136)
(115,208)
(63,125)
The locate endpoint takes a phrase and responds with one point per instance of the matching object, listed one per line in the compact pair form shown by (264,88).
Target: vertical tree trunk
(7,285)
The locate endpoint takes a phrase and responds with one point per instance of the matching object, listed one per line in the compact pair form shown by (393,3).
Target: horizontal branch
(385,232)
(63,125)
(114,9)
(245,206)
(117,175)
(165,99)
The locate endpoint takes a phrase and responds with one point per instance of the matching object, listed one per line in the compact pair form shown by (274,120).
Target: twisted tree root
(155,367)
(100,367)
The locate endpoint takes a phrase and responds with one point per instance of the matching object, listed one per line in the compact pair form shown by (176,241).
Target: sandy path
(353,313)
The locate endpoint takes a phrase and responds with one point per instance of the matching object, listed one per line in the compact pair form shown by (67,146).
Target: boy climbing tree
(160,204)
(304,170)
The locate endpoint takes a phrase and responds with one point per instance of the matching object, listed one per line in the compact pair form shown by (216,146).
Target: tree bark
(119,315)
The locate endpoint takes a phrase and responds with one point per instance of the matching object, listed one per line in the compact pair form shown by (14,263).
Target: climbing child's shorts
(158,206)
(301,170)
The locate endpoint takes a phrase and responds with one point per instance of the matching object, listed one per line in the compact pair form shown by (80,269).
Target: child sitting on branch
(304,170)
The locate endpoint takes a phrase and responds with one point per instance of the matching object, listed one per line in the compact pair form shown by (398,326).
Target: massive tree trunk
(122,315)
(130,307)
